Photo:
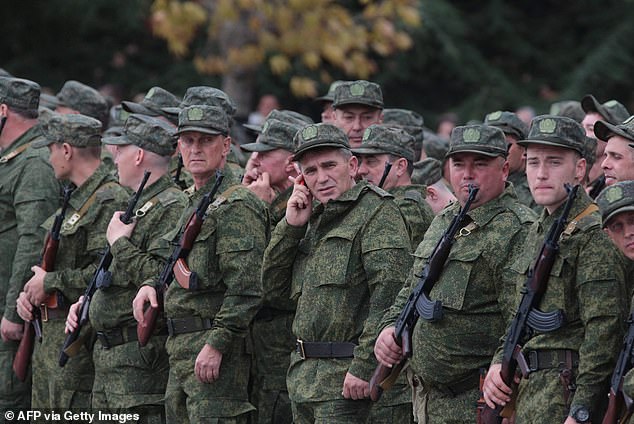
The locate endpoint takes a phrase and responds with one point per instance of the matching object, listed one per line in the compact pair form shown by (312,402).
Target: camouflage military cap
(84,99)
(403,118)
(427,171)
(359,92)
(482,139)
(75,129)
(48,101)
(314,136)
(434,145)
(611,111)
(203,119)
(604,130)
(282,115)
(19,94)
(615,199)
(146,132)
(558,131)
(153,103)
(330,96)
(116,121)
(275,135)
(381,139)
(590,152)
(203,95)
(4,73)
(569,108)
(508,122)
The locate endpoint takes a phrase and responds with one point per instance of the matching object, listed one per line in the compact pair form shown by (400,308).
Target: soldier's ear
(68,151)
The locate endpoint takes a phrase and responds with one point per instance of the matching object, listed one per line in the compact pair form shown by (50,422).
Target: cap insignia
(614,194)
(471,135)
(195,114)
(494,116)
(357,89)
(309,132)
(547,126)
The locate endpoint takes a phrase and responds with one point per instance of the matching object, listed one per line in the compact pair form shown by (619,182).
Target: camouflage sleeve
(241,239)
(277,266)
(36,198)
(142,264)
(386,260)
(600,285)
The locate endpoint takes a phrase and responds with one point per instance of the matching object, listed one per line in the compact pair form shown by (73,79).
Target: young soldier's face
(203,153)
(487,173)
(354,119)
(58,162)
(548,168)
(620,228)
(618,162)
(328,173)
(125,157)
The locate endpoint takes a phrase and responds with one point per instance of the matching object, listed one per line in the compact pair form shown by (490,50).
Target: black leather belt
(117,336)
(177,326)
(267,314)
(548,359)
(53,313)
(454,389)
(324,349)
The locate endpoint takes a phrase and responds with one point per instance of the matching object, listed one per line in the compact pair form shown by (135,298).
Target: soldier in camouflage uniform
(570,367)
(130,378)
(273,341)
(357,104)
(327,111)
(448,354)
(209,364)
(618,162)
(514,129)
(74,152)
(153,103)
(343,261)
(29,193)
(75,97)
(438,194)
(411,122)
(614,113)
(380,145)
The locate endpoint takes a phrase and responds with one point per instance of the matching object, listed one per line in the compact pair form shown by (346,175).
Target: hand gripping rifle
(47,263)
(101,278)
(620,405)
(418,304)
(528,319)
(186,237)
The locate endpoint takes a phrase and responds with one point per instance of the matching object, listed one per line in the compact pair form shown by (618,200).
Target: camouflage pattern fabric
(29,193)
(587,284)
(416,212)
(520,184)
(338,300)
(341,411)
(129,375)
(79,252)
(227,255)
(474,294)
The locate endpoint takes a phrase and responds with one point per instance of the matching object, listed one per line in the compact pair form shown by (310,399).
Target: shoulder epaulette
(584,221)
(523,212)
(225,196)
(169,196)
(379,191)
(106,192)
(6,158)
(414,195)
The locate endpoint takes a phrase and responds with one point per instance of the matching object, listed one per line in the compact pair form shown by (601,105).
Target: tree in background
(302,41)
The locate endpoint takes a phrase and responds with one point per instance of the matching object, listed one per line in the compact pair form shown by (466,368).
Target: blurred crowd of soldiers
(286,300)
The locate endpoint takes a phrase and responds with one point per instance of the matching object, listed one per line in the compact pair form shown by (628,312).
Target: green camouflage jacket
(416,212)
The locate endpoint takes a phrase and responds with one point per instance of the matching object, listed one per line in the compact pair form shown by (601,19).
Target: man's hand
(10,330)
(355,388)
(72,320)
(495,391)
(299,205)
(386,350)
(117,229)
(261,187)
(570,420)
(34,288)
(207,367)
(251,172)
(146,294)
(24,307)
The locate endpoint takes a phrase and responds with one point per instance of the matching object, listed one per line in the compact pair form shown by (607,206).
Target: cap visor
(43,142)
(137,108)
(357,102)
(118,140)
(525,143)
(258,147)
(479,152)
(253,127)
(627,208)
(204,130)
(368,151)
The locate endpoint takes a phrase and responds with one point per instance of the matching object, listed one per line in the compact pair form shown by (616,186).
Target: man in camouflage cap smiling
(449,353)
(591,278)
(357,104)
(612,112)
(327,111)
(354,257)
(618,162)
(75,97)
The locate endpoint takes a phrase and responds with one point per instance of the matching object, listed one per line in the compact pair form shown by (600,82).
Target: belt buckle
(44,312)
(300,349)
(533,361)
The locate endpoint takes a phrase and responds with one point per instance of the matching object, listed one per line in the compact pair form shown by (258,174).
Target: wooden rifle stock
(186,239)
(73,343)
(383,377)
(33,330)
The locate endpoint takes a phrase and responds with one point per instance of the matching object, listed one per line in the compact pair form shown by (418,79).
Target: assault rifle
(528,319)
(620,405)
(186,237)
(101,278)
(418,304)
(47,263)
(177,175)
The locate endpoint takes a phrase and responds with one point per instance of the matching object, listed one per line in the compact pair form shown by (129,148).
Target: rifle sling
(572,225)
(74,218)
(6,158)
